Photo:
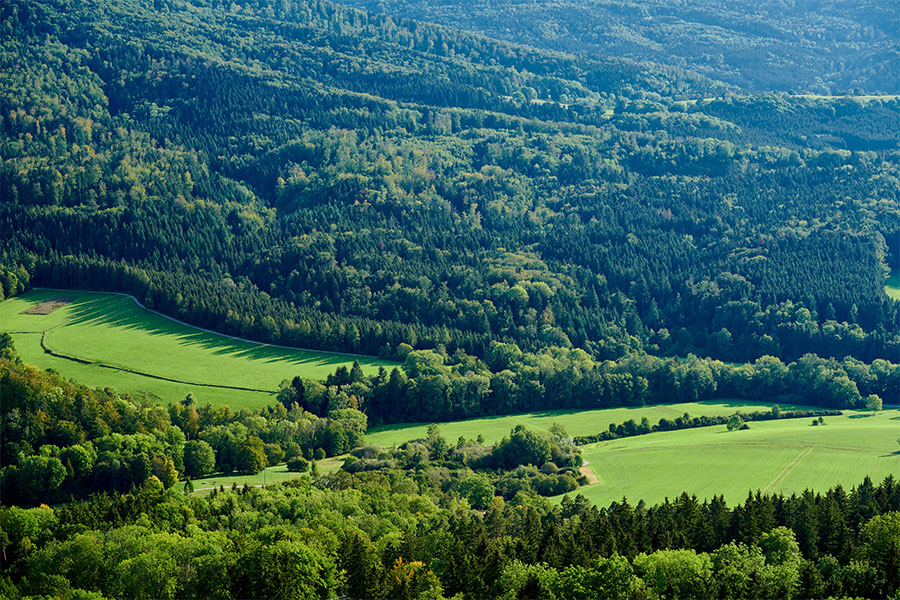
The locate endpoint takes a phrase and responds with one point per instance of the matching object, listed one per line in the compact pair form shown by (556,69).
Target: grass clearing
(786,456)
(892,285)
(136,350)
(270,476)
(576,422)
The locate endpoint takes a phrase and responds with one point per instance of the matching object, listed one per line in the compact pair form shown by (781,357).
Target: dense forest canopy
(831,47)
(429,519)
(319,176)
(633,209)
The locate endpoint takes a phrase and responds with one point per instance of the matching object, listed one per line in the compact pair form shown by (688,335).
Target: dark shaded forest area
(309,188)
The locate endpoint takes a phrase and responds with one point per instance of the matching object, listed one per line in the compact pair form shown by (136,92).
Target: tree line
(736,421)
(435,387)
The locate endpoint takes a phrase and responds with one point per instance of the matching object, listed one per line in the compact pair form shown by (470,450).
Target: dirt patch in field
(47,306)
(591,476)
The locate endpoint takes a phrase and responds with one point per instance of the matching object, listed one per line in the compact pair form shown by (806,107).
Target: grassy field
(273,475)
(576,422)
(786,456)
(892,285)
(109,329)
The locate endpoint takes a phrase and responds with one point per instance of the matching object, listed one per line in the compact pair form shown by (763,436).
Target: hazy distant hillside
(823,47)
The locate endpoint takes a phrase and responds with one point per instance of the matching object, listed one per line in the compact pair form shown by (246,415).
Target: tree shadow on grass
(865,416)
(100,310)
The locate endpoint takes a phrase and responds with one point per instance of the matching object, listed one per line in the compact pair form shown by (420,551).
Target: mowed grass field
(576,422)
(113,330)
(785,456)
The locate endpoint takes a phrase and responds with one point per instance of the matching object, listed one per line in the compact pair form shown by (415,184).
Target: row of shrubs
(630,428)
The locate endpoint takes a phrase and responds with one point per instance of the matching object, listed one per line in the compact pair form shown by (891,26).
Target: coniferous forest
(528,206)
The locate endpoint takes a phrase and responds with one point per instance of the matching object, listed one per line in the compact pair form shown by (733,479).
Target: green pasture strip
(784,456)
(28,347)
(109,329)
(576,422)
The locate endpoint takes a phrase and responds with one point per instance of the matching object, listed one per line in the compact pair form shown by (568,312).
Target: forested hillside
(430,519)
(595,220)
(317,176)
(831,47)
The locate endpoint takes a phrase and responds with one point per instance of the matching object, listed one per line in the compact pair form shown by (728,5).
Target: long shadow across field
(122,313)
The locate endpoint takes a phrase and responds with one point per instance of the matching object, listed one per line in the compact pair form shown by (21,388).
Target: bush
(549,468)
(298,465)
(274,454)
(366,452)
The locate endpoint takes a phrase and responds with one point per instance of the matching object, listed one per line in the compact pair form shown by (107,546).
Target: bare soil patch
(589,473)
(47,306)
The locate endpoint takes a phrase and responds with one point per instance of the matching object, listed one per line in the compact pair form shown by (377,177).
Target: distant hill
(829,47)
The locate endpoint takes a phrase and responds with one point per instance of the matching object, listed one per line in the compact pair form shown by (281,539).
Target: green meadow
(273,475)
(117,337)
(576,422)
(786,456)
(892,285)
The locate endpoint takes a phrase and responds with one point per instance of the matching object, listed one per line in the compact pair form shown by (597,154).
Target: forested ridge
(293,181)
(831,47)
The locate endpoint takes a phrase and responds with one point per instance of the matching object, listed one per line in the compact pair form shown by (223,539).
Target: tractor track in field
(788,469)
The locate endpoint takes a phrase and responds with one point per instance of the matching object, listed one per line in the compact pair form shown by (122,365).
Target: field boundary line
(51,352)
(723,445)
(784,473)
(212,331)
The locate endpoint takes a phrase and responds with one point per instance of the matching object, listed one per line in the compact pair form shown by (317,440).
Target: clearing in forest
(108,340)
(786,456)
(892,286)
